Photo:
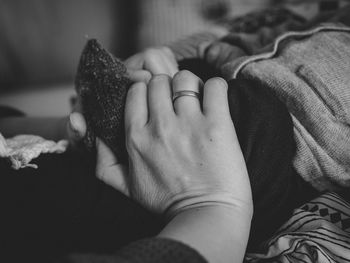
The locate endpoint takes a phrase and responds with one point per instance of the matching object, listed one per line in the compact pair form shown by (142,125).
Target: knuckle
(167,51)
(159,78)
(151,53)
(162,128)
(184,75)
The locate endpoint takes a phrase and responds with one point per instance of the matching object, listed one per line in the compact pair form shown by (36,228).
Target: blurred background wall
(41,40)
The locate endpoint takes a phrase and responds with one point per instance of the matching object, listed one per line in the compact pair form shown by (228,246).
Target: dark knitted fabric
(265,132)
(102,83)
(152,250)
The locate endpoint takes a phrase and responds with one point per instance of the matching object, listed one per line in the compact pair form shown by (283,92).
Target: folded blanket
(318,231)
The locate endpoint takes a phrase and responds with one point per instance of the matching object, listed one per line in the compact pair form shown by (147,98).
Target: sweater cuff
(151,250)
(160,250)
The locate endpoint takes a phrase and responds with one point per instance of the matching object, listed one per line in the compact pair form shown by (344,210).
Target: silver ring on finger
(182,93)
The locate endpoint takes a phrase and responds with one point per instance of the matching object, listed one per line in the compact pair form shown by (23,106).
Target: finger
(139,75)
(108,170)
(134,62)
(166,66)
(159,98)
(215,101)
(170,61)
(136,112)
(186,81)
(76,126)
(155,62)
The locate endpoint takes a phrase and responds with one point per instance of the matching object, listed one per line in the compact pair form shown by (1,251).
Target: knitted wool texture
(102,83)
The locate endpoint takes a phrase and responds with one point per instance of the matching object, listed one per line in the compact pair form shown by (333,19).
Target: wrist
(210,201)
(219,232)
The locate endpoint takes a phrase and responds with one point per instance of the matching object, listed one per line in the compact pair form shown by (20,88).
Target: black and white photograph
(175,131)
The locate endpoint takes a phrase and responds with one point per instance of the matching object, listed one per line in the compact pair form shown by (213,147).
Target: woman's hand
(185,161)
(153,61)
(141,67)
(182,155)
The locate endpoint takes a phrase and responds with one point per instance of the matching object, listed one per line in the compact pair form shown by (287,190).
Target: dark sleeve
(150,250)
(9,112)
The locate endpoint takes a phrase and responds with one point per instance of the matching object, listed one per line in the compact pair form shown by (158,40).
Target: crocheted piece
(22,149)
(101,83)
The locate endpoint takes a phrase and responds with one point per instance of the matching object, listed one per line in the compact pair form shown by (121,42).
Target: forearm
(49,128)
(219,233)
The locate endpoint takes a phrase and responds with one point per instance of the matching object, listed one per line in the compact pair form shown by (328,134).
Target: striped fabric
(319,231)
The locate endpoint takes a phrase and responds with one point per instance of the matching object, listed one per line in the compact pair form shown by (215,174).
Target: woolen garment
(309,72)
(262,25)
(151,250)
(265,132)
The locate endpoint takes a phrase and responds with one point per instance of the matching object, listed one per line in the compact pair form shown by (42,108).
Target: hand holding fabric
(183,155)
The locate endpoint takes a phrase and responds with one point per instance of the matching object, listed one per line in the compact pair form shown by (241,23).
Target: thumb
(76,126)
(109,170)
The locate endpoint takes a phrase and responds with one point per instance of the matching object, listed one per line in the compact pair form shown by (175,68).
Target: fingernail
(73,121)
